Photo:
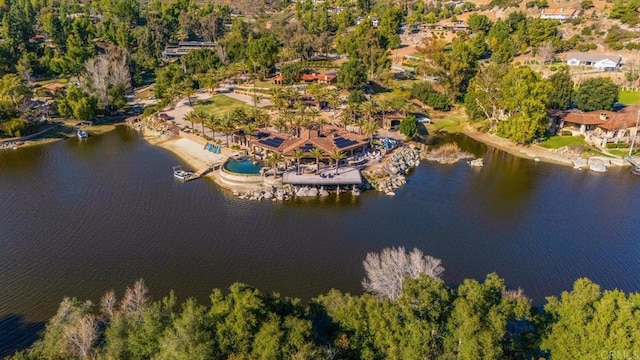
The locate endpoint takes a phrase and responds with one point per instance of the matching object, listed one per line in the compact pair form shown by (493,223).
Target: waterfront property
(602,127)
(329,139)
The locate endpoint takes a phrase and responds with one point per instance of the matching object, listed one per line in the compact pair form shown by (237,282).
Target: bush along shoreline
(407,312)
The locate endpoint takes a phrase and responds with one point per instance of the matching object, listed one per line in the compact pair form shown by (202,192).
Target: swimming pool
(245,166)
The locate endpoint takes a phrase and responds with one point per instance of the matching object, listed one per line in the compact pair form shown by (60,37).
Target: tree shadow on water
(17,334)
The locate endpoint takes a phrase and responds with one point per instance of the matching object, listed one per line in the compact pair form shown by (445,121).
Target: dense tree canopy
(596,94)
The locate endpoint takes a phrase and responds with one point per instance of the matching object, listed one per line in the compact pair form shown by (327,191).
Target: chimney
(603,116)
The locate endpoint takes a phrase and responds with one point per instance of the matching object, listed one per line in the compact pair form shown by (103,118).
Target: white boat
(82,134)
(183,175)
(476,163)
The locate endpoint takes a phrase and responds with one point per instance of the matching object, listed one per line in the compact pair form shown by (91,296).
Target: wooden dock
(211,167)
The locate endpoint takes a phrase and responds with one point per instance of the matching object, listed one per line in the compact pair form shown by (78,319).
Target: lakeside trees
(596,94)
(424,318)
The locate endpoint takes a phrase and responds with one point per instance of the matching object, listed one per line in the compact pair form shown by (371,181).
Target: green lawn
(556,142)
(629,97)
(219,105)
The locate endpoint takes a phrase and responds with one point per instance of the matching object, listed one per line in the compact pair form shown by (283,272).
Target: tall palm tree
(317,154)
(249,129)
(298,155)
(200,118)
(228,126)
(337,155)
(189,92)
(273,160)
(313,114)
(280,123)
(191,116)
(370,108)
(333,99)
(279,99)
(212,123)
(370,128)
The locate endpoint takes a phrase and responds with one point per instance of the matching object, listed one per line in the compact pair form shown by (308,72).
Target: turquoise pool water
(243,167)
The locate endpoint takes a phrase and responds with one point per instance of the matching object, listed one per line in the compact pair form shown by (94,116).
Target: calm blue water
(78,218)
(243,167)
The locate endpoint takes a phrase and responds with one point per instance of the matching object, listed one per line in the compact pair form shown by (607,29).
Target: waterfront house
(329,139)
(601,62)
(561,14)
(602,127)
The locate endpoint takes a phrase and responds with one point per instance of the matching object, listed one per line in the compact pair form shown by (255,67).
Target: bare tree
(81,335)
(546,53)
(98,77)
(108,305)
(106,71)
(386,271)
(135,298)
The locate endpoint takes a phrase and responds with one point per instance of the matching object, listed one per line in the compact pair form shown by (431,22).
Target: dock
(211,167)
(328,177)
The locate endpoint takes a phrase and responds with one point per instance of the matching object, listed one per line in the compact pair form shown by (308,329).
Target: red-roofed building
(602,127)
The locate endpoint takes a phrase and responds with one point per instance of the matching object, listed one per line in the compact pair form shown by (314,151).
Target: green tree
(336,155)
(524,98)
(352,74)
(190,337)
(561,90)
(479,23)
(317,153)
(596,94)
(409,126)
(262,53)
(478,322)
(78,104)
(298,154)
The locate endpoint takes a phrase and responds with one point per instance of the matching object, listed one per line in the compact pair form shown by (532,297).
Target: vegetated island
(407,312)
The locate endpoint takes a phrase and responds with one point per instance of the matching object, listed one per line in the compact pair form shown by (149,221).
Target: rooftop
(607,120)
(593,57)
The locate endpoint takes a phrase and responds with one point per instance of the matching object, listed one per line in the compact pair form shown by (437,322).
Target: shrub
(409,126)
(566,133)
(553,68)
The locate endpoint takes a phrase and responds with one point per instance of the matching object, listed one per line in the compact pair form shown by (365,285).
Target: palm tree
(370,108)
(188,92)
(273,160)
(350,114)
(279,99)
(333,98)
(256,97)
(280,123)
(249,129)
(370,128)
(212,123)
(191,116)
(228,126)
(314,113)
(298,155)
(317,154)
(337,155)
(200,118)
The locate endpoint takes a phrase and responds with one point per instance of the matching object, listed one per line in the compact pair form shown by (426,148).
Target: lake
(78,218)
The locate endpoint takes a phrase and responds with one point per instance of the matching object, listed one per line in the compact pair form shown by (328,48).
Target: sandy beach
(191,152)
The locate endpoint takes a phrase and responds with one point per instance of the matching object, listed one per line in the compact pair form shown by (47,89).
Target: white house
(559,14)
(602,62)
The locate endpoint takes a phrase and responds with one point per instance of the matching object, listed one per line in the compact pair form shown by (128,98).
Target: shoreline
(531,152)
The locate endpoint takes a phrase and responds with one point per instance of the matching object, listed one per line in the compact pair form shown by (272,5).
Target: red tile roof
(607,120)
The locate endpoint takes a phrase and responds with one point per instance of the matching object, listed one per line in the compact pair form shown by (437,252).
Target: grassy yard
(219,105)
(629,97)
(555,142)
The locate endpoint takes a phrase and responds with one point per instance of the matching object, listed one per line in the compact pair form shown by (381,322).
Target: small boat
(636,171)
(82,134)
(476,163)
(598,167)
(180,174)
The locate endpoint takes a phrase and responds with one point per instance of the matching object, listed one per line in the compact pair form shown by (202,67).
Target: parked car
(165,117)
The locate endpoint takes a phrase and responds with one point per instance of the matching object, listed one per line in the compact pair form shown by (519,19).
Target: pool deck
(346,176)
